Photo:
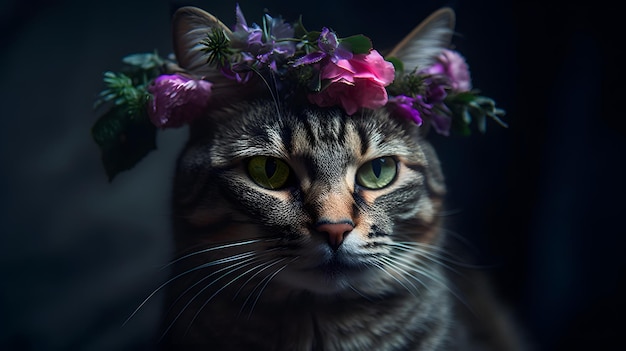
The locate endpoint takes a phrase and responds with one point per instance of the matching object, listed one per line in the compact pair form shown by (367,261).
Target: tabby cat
(302,228)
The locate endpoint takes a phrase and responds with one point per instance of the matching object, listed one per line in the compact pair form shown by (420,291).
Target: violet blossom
(177,100)
(452,65)
(245,37)
(404,106)
(329,47)
(442,122)
(250,39)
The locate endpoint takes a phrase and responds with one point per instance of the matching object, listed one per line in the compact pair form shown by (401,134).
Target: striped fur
(381,289)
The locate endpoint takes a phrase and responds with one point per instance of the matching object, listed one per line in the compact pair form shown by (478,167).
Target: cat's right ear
(421,47)
(190,25)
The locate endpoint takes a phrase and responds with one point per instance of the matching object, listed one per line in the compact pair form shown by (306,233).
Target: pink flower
(177,100)
(354,83)
(453,66)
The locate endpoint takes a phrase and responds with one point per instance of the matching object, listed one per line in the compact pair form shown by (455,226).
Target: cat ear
(420,48)
(190,26)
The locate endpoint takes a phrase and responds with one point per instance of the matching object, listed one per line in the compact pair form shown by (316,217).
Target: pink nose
(336,232)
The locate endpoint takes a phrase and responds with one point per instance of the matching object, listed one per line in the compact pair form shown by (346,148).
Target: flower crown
(154,93)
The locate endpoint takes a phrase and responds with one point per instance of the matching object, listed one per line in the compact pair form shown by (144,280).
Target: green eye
(377,173)
(268,172)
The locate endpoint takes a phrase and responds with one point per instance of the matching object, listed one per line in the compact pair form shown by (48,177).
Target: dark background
(541,202)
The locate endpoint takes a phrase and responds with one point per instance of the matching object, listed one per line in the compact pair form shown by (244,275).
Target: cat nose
(336,232)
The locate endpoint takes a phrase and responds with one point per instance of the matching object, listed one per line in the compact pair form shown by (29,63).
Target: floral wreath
(153,92)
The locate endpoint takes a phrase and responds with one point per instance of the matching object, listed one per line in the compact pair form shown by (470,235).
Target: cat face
(300,216)
(317,200)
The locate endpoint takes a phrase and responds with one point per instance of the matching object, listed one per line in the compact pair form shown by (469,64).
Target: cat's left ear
(421,47)
(190,25)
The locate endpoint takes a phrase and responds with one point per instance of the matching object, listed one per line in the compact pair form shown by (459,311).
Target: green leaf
(489,107)
(461,126)
(217,47)
(299,29)
(464,97)
(398,65)
(145,61)
(478,114)
(312,36)
(124,139)
(358,44)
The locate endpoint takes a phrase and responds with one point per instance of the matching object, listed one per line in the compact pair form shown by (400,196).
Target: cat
(299,227)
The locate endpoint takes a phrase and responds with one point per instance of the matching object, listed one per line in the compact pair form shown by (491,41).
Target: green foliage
(467,107)
(409,85)
(217,47)
(123,140)
(358,44)
(123,131)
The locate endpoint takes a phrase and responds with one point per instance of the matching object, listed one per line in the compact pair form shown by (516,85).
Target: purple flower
(417,109)
(265,49)
(177,100)
(245,37)
(435,90)
(281,30)
(275,49)
(452,65)
(329,47)
(441,121)
(402,106)
(239,71)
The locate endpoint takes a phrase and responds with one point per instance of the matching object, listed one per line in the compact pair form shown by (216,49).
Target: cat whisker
(261,268)
(269,88)
(426,272)
(359,293)
(382,265)
(202,266)
(266,266)
(267,280)
(215,248)
(243,264)
(430,254)
(408,265)
(247,281)
(468,245)
(393,264)
(436,252)
(449,212)
(229,270)
(224,286)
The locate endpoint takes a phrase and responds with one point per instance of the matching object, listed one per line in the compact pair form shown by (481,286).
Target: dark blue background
(542,202)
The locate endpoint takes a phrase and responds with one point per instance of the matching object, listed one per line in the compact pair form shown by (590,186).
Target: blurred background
(540,202)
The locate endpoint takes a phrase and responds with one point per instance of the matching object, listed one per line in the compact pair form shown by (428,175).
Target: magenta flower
(177,100)
(453,66)
(355,83)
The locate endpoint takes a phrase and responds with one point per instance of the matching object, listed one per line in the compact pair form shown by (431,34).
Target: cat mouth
(339,265)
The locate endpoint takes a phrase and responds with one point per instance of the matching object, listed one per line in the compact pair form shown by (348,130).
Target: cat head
(317,198)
